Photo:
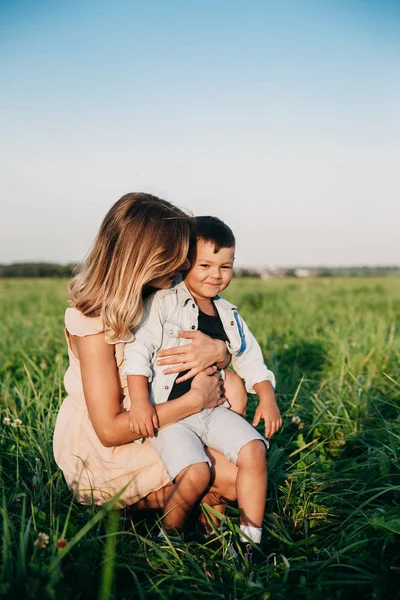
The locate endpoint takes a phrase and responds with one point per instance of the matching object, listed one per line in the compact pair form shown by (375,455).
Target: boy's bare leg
(235,392)
(189,486)
(251,483)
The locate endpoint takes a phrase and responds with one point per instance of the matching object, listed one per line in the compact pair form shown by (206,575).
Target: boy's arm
(259,380)
(250,364)
(143,417)
(138,356)
(267,408)
(139,353)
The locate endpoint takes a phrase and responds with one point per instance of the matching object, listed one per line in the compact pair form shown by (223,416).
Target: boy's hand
(269,411)
(143,419)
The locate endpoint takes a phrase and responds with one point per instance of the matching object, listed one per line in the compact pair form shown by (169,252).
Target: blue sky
(282,118)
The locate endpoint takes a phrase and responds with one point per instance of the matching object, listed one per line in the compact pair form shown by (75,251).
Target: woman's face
(165,282)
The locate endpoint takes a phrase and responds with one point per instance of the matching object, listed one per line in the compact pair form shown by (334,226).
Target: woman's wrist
(194,402)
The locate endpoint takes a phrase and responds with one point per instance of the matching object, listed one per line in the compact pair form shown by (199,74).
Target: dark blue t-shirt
(211,326)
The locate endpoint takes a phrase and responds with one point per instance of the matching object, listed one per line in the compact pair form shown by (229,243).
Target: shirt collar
(183,293)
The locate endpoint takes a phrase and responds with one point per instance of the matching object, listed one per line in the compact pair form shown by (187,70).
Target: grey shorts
(182,444)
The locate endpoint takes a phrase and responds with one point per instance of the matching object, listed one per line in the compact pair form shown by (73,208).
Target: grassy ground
(333,519)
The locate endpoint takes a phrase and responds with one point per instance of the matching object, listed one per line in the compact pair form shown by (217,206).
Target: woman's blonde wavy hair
(141,238)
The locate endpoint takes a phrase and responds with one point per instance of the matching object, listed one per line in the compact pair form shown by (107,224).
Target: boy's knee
(198,475)
(253,454)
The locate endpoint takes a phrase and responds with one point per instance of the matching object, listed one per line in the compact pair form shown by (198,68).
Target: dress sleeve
(77,324)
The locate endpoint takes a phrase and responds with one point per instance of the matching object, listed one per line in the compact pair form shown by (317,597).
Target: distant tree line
(352,271)
(42,269)
(357,271)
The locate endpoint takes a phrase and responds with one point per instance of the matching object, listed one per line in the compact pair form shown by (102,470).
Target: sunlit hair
(141,238)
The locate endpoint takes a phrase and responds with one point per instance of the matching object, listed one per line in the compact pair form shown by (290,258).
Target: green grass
(332,524)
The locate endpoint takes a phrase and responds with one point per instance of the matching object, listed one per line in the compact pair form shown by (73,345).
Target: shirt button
(232,322)
(166,387)
(193,327)
(193,306)
(171,331)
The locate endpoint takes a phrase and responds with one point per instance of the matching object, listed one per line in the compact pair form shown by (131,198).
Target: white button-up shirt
(169,311)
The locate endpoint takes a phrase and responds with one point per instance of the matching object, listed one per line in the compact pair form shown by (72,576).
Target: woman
(142,240)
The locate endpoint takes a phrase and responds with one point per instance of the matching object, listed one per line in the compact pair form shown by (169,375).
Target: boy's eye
(226,267)
(204,265)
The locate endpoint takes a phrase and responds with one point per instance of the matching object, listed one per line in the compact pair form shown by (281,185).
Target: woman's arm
(201,353)
(101,387)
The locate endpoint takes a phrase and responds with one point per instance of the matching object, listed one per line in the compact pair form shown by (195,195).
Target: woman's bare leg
(235,392)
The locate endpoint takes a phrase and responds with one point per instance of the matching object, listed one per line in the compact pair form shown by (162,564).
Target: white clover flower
(42,540)
(17,422)
(286,346)
(296,420)
(7,421)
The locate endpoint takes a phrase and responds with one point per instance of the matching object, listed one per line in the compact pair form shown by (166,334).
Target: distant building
(270,273)
(305,272)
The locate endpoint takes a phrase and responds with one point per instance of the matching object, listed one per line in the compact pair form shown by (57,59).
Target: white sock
(174,538)
(254,533)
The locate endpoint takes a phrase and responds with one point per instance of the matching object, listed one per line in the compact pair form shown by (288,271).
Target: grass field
(333,513)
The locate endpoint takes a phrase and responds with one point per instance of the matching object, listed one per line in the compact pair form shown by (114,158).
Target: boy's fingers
(256,419)
(268,429)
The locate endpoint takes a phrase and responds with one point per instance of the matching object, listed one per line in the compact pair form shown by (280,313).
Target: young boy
(193,304)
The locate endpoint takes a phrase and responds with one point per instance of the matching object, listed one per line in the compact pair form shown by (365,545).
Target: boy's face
(211,271)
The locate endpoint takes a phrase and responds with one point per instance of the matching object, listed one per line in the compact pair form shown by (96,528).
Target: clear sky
(283,118)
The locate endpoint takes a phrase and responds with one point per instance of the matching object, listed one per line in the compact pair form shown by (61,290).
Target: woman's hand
(208,385)
(201,353)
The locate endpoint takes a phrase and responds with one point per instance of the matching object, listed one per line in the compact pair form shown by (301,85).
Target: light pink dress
(96,473)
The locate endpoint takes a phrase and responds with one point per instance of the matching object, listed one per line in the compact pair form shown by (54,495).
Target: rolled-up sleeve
(138,354)
(250,363)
